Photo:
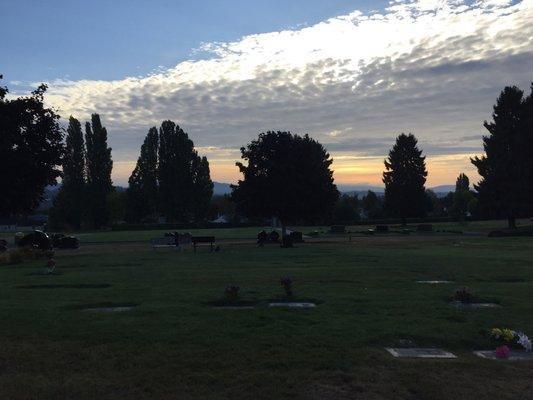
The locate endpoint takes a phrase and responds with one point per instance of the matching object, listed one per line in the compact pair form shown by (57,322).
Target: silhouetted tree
(404,179)
(287,176)
(526,128)
(117,205)
(462,196)
(432,202)
(143,187)
(68,206)
(185,186)
(202,187)
(346,209)
(372,205)
(447,203)
(31,151)
(223,205)
(506,168)
(99,166)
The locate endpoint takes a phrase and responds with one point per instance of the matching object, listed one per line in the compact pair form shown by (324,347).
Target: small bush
(17,256)
(232,293)
(286,283)
(464,294)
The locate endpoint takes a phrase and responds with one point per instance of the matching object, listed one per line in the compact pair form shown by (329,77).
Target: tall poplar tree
(506,168)
(404,179)
(68,208)
(143,187)
(203,187)
(99,166)
(185,185)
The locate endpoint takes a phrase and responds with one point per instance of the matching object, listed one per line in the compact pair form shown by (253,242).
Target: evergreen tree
(185,186)
(462,196)
(372,205)
(526,129)
(31,151)
(203,187)
(99,166)
(346,210)
(287,176)
(143,186)
(68,209)
(506,168)
(404,179)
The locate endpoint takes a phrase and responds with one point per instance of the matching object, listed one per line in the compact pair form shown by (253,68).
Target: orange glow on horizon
(348,170)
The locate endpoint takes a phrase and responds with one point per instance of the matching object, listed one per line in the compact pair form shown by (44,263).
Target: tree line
(170,180)
(285,175)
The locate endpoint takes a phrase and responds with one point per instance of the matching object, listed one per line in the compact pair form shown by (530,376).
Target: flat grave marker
(293,304)
(460,304)
(435,282)
(109,309)
(418,352)
(514,355)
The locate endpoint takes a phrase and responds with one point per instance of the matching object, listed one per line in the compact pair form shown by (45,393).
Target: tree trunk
(512,222)
(286,240)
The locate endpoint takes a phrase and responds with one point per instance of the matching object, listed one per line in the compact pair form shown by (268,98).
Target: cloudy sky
(352,74)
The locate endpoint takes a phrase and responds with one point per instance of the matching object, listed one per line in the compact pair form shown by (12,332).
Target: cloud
(354,82)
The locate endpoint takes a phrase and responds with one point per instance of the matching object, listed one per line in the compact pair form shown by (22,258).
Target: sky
(351,74)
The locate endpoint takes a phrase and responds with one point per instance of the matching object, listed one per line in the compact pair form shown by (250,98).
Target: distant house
(221,219)
(8,225)
(31,223)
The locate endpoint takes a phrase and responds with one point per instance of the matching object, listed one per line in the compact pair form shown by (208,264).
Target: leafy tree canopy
(31,151)
(285,176)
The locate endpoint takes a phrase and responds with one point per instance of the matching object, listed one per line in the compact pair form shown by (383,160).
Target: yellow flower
(508,334)
(496,333)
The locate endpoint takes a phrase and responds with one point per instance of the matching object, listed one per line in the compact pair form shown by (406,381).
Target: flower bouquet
(510,336)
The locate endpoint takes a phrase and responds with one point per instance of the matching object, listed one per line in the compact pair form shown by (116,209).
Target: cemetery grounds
(174,345)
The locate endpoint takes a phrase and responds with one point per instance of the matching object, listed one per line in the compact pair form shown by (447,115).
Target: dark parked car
(42,241)
(37,239)
(61,241)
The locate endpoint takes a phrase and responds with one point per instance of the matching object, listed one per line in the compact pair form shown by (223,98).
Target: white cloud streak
(431,67)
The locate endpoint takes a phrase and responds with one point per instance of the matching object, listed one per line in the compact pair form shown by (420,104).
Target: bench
(202,239)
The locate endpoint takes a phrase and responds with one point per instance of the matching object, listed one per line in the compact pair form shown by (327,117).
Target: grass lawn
(174,346)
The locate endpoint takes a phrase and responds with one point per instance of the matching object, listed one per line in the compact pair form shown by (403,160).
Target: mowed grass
(174,346)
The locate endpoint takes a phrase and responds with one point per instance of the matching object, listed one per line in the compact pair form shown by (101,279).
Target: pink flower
(502,352)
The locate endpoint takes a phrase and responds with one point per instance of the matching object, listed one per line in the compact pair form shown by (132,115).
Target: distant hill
(220,188)
(50,193)
(443,189)
(361,190)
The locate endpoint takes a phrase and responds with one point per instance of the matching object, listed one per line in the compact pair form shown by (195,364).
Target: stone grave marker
(514,355)
(418,352)
(460,304)
(109,309)
(293,305)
